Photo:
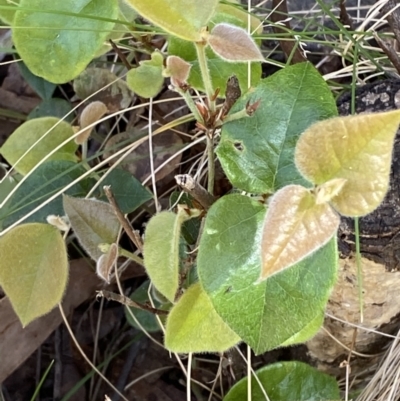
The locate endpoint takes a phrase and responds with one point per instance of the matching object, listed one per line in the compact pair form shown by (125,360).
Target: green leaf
(33,269)
(220,70)
(147,319)
(54,107)
(67,42)
(44,182)
(295,226)
(147,79)
(49,136)
(178,17)
(285,381)
(257,153)
(42,87)
(7,13)
(229,264)
(193,325)
(161,250)
(93,222)
(128,191)
(355,148)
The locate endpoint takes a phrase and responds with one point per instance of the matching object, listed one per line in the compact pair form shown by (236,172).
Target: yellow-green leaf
(355,148)
(193,325)
(294,227)
(181,18)
(33,269)
(161,250)
(67,34)
(48,134)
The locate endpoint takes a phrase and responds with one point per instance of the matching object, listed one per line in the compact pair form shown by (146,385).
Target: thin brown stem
(121,55)
(193,188)
(132,234)
(344,17)
(393,18)
(390,52)
(279,14)
(112,296)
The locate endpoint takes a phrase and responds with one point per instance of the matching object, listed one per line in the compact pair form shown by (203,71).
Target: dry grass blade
(384,385)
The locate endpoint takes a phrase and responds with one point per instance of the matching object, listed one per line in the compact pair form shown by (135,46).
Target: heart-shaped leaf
(50,132)
(93,222)
(285,381)
(67,42)
(355,148)
(257,153)
(193,325)
(181,18)
(285,309)
(295,226)
(233,44)
(33,269)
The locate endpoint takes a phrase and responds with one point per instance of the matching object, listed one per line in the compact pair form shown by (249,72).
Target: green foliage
(33,269)
(229,263)
(146,319)
(146,80)
(42,87)
(43,183)
(128,191)
(220,70)
(178,17)
(193,323)
(161,250)
(7,13)
(45,134)
(74,32)
(285,381)
(263,271)
(257,154)
(54,107)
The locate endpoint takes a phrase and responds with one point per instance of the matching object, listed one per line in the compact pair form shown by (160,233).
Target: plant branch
(193,188)
(211,161)
(132,234)
(289,47)
(389,51)
(393,17)
(205,74)
(111,296)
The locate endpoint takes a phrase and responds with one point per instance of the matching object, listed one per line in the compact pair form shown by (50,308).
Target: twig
(121,55)
(344,17)
(389,51)
(112,296)
(132,234)
(193,188)
(393,17)
(288,47)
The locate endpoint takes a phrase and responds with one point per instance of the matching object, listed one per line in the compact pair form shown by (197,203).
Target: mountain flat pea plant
(258,272)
